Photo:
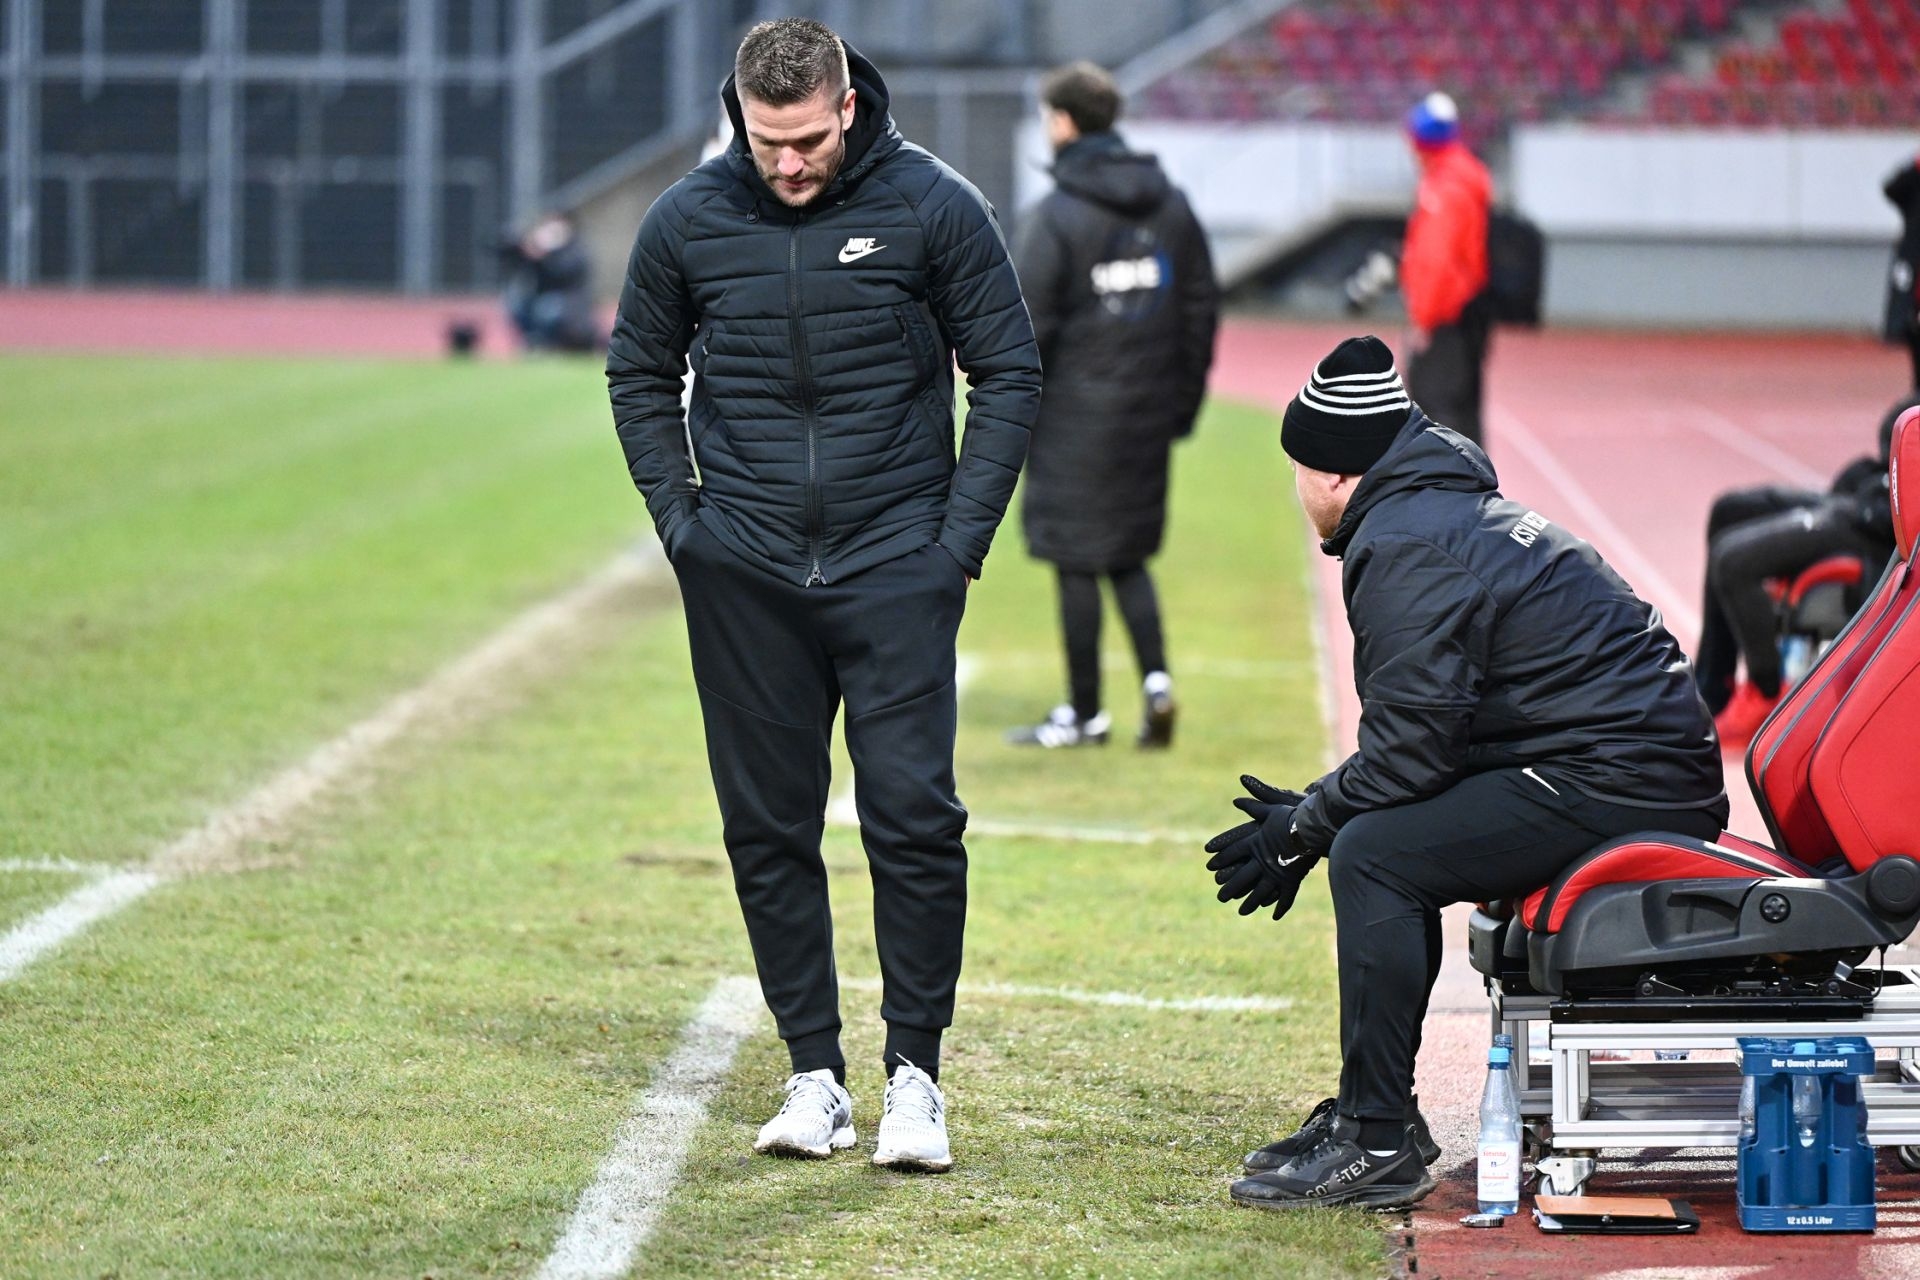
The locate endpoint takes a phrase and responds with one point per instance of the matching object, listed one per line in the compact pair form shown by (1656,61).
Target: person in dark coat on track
(825,275)
(1769,532)
(1120,285)
(1518,705)
(1903,276)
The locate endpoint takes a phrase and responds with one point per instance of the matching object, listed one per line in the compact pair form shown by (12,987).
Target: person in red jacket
(1443,271)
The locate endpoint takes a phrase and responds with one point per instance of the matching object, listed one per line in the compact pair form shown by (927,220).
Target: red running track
(1625,439)
(244,323)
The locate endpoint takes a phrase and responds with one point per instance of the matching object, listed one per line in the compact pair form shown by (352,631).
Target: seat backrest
(1780,762)
(1864,769)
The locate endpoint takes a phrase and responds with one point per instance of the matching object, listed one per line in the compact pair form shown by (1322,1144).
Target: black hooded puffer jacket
(822,342)
(1487,637)
(1121,288)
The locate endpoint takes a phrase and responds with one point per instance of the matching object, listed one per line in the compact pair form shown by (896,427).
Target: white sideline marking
(57,866)
(1118,660)
(100,897)
(843,812)
(1762,451)
(1120,999)
(1333,751)
(1682,1273)
(618,1211)
(270,805)
(1620,549)
(841,809)
(1093,835)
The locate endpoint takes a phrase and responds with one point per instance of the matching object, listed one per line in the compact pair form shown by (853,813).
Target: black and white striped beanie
(1350,410)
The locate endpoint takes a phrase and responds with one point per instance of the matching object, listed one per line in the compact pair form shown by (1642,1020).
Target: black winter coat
(1903,290)
(1487,637)
(1121,289)
(822,343)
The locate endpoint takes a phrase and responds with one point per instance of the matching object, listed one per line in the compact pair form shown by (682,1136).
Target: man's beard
(817,179)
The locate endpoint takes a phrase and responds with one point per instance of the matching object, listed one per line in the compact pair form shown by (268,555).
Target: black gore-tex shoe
(1339,1172)
(1281,1152)
(1421,1135)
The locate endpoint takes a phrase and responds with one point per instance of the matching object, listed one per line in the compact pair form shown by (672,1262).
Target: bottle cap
(1499,1056)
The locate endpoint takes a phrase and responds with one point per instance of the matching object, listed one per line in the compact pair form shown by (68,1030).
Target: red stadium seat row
(1344,60)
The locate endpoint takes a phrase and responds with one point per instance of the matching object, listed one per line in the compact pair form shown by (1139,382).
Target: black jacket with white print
(1485,636)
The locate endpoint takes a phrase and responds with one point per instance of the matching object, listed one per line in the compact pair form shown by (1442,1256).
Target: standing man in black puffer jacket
(824,274)
(1518,705)
(1120,284)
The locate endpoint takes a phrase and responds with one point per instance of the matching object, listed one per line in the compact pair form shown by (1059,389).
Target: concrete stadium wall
(1258,189)
(1722,228)
(1747,229)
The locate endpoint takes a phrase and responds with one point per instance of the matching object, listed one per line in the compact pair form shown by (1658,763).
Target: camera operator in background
(547,294)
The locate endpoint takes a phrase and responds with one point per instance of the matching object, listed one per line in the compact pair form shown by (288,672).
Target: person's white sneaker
(815,1121)
(913,1124)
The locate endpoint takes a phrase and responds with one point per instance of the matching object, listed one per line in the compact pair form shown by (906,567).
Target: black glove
(1258,861)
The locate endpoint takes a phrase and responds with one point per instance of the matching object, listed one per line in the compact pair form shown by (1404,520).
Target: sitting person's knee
(1355,855)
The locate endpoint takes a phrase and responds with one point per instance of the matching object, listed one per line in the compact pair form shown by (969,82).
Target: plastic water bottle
(1806,1109)
(1505,1041)
(1499,1189)
(1749,1123)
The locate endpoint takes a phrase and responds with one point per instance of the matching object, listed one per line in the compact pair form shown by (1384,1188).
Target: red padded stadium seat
(1832,768)
(1862,768)
(1641,860)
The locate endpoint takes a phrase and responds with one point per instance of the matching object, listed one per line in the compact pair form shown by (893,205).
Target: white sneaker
(815,1121)
(1063,728)
(913,1125)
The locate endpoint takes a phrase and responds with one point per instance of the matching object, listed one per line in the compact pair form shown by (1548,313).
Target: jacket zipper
(804,370)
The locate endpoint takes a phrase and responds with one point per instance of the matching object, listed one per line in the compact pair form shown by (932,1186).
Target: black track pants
(1752,535)
(1447,377)
(773,662)
(1080,627)
(1492,835)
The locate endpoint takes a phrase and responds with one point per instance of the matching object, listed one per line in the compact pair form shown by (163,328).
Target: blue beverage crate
(1825,1184)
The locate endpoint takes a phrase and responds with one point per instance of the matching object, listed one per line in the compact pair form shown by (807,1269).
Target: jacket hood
(1100,168)
(870,138)
(1425,455)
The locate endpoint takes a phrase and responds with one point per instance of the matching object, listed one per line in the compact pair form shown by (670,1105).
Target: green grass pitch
(396,1039)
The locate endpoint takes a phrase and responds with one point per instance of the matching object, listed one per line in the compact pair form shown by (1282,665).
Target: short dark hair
(1086,92)
(788,60)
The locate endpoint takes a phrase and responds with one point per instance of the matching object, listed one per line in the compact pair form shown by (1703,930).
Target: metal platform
(1574,1107)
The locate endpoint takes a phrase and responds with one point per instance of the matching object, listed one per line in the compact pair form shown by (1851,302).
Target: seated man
(1766,532)
(1519,705)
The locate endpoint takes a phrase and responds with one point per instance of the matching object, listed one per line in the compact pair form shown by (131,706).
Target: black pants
(1493,835)
(1447,378)
(773,661)
(1752,535)
(1080,624)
